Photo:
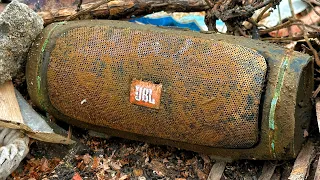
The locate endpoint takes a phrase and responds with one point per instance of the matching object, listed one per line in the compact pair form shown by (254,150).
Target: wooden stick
(69,132)
(317,174)
(267,170)
(53,12)
(85,11)
(318,111)
(301,166)
(217,170)
(9,107)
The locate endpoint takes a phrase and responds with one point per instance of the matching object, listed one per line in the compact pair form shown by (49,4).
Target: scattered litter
(192,20)
(14,147)
(281,12)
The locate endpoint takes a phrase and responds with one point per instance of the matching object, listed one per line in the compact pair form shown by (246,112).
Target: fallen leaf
(115,165)
(124,177)
(179,179)
(124,162)
(205,158)
(44,165)
(201,175)
(96,162)
(76,176)
(185,174)
(112,173)
(105,164)
(158,167)
(101,175)
(165,160)
(137,172)
(146,161)
(305,133)
(86,158)
(189,162)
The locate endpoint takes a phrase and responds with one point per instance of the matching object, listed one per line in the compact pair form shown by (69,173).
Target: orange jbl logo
(145,94)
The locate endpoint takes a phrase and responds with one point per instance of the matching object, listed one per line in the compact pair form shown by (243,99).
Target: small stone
(142,178)
(19,26)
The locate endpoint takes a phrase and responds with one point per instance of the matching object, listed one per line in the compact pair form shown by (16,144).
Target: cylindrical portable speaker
(226,96)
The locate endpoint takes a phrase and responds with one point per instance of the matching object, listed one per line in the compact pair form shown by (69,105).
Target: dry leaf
(305,133)
(205,158)
(158,167)
(165,160)
(44,165)
(86,158)
(201,175)
(101,175)
(96,162)
(76,176)
(115,165)
(137,172)
(105,164)
(185,174)
(124,177)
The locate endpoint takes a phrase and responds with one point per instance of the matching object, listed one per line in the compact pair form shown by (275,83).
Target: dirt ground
(116,158)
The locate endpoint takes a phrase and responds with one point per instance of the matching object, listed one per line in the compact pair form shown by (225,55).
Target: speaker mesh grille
(211,90)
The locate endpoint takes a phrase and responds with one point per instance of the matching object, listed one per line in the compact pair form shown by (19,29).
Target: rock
(19,26)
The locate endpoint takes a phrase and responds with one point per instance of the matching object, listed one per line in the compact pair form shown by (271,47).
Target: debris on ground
(14,147)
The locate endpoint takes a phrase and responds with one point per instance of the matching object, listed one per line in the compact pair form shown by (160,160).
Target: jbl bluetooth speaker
(225,96)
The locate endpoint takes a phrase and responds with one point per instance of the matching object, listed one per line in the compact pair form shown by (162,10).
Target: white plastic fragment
(14,149)
(285,12)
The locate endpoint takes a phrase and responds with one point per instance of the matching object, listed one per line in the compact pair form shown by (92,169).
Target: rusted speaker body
(226,96)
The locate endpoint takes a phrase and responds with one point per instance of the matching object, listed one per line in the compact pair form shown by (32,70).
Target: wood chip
(217,170)
(318,111)
(317,174)
(267,170)
(9,107)
(301,166)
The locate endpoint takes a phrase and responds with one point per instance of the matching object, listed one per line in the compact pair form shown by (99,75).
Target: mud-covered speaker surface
(204,92)
(210,90)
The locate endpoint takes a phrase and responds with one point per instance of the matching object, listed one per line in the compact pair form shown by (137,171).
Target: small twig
(302,163)
(316,2)
(292,10)
(85,11)
(307,1)
(263,11)
(280,26)
(253,22)
(264,3)
(69,132)
(210,4)
(316,92)
(316,28)
(315,53)
(294,16)
(296,38)
(242,32)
